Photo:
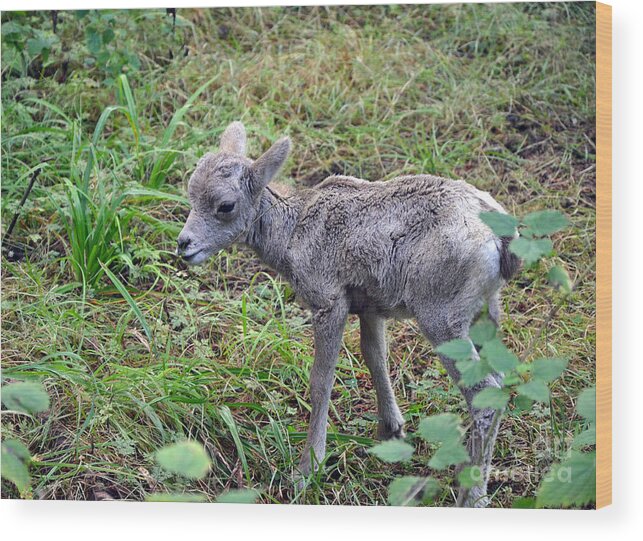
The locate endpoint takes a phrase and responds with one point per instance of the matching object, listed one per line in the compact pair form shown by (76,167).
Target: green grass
(501,95)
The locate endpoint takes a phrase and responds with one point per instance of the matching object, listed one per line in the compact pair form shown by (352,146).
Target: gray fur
(409,247)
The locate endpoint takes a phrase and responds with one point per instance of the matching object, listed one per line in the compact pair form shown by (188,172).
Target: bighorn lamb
(413,246)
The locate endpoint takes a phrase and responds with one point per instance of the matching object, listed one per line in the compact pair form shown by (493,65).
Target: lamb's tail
(509,262)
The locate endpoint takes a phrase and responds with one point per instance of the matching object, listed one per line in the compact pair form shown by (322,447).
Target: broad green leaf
(548,369)
(482,331)
(512,379)
(36,45)
(534,389)
(411,490)
(450,453)
(491,397)
(440,428)
(570,483)
(545,222)
(28,397)
(472,372)
(11,28)
(586,404)
(175,497)
(243,495)
(524,503)
(531,250)
(502,225)
(470,476)
(458,349)
(15,459)
(499,356)
(187,458)
(393,451)
(558,277)
(585,438)
(522,403)
(107,35)
(94,41)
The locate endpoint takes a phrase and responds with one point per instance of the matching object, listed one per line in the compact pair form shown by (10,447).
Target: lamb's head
(225,194)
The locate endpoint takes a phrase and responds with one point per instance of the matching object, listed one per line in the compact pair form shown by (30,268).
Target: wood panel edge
(603,255)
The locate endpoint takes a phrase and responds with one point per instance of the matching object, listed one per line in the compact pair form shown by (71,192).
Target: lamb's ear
(266,167)
(233,139)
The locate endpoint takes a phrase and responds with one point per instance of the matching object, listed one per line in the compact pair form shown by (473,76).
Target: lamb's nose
(183,243)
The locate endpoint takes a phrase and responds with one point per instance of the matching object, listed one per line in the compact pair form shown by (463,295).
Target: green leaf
(11,28)
(472,372)
(522,403)
(393,451)
(499,356)
(534,389)
(531,250)
(187,458)
(458,349)
(570,483)
(94,41)
(548,369)
(450,453)
(524,503)
(243,495)
(491,397)
(36,45)
(470,477)
(411,490)
(502,225)
(440,428)
(558,277)
(28,397)
(586,404)
(585,438)
(482,331)
(15,458)
(545,222)
(107,36)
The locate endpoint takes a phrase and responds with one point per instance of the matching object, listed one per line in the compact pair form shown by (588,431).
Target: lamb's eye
(225,207)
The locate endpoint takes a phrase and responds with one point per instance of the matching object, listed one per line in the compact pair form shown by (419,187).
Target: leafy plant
(523,384)
(532,243)
(23,44)
(30,398)
(572,482)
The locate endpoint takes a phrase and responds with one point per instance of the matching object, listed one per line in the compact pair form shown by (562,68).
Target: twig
(14,220)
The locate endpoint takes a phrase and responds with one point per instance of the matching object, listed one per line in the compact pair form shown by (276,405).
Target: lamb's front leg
(328,326)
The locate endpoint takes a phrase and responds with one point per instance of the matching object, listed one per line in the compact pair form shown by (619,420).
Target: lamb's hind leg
(481,443)
(373,345)
(482,435)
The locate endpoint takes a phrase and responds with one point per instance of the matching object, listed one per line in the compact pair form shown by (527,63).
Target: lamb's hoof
(475,497)
(302,474)
(300,481)
(389,431)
